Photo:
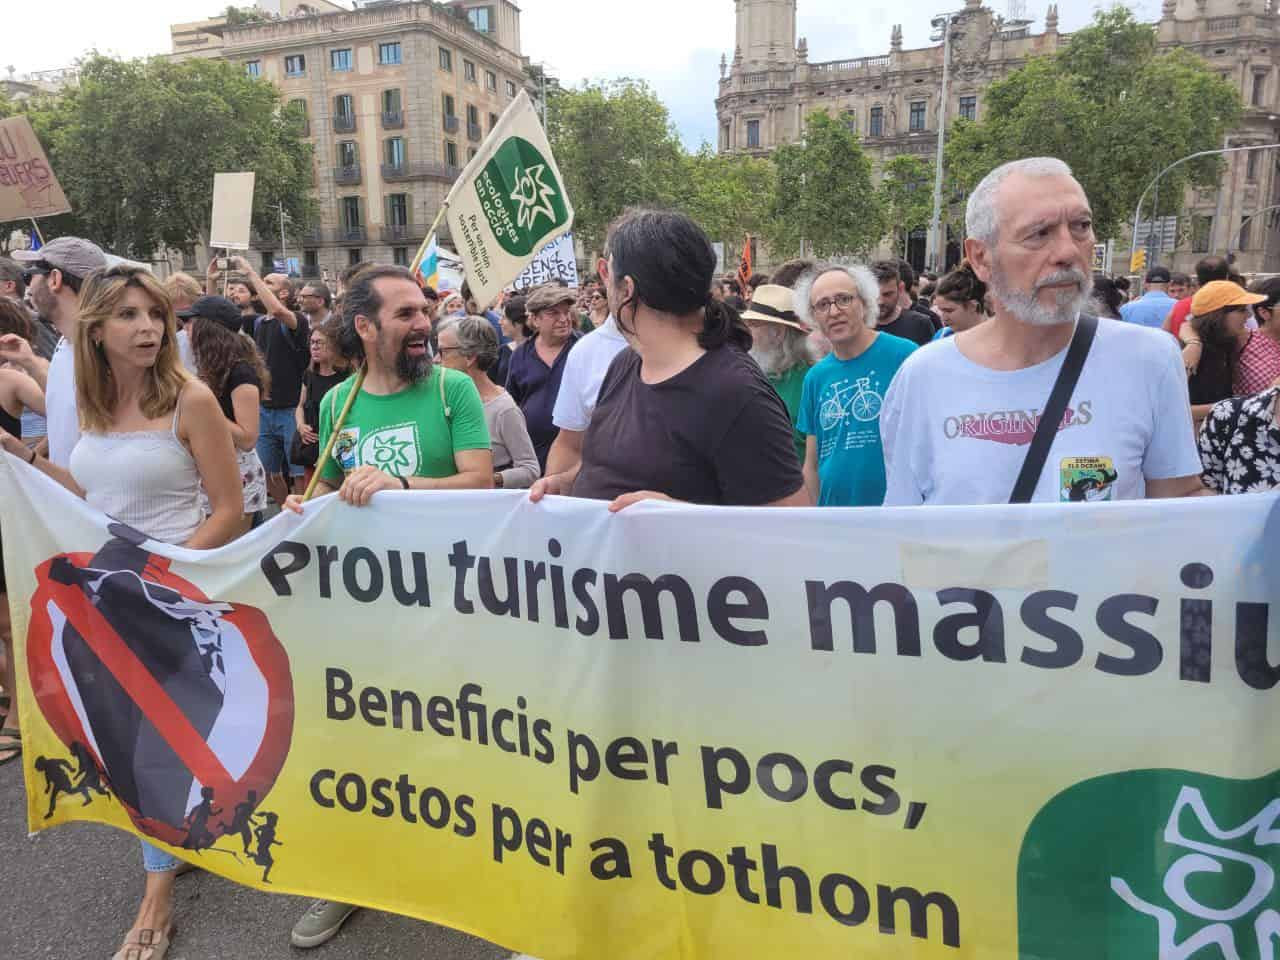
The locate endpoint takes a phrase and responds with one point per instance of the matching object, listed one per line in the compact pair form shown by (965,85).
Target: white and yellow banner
(683,732)
(508,203)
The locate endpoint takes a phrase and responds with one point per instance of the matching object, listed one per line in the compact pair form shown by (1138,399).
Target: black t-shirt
(715,433)
(317,386)
(912,326)
(241,374)
(287,353)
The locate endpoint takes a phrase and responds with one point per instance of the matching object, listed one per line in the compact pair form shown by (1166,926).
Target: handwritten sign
(28,187)
(232,208)
(553,263)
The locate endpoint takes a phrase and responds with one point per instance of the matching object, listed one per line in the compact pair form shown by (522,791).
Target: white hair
(863,281)
(982,216)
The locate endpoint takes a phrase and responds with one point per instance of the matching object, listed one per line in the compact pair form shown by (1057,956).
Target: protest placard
(232,211)
(555,263)
(28,187)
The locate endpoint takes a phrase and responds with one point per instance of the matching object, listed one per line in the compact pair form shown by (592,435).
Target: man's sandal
(146,945)
(10,745)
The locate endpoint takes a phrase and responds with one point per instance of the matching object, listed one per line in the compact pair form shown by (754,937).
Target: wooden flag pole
(36,227)
(422,250)
(333,434)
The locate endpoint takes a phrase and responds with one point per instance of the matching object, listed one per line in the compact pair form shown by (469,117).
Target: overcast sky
(673,44)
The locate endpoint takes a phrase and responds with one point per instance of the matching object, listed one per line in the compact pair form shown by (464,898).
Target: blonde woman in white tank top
(150,436)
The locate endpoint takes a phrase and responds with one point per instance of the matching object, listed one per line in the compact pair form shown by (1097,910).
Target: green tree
(825,196)
(729,196)
(906,194)
(1111,106)
(616,147)
(136,144)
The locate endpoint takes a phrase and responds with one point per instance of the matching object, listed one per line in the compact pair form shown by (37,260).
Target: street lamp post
(1137,213)
(942,24)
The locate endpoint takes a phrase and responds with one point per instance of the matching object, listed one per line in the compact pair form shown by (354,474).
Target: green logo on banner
(521,197)
(1162,864)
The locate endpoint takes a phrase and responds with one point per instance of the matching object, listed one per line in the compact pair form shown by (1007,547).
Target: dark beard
(412,369)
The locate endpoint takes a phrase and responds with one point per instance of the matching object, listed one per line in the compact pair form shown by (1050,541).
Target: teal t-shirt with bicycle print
(840,409)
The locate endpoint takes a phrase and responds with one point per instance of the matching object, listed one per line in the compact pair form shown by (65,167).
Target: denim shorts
(155,860)
(276,428)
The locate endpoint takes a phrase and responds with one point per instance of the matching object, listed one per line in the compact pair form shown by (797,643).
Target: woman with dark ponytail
(961,300)
(685,414)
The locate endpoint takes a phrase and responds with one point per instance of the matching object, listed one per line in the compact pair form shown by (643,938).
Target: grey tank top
(146,479)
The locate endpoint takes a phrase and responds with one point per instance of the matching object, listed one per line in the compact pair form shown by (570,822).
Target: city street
(71,893)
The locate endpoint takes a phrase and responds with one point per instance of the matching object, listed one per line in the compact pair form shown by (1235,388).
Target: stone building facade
(398,97)
(891,101)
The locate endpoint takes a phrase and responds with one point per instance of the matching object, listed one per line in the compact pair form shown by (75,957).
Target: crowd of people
(190,410)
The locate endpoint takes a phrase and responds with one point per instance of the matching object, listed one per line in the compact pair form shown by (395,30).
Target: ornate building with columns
(891,101)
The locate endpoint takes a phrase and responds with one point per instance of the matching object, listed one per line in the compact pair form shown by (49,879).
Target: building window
(446,60)
(493,121)
(724,136)
(471,153)
(468,71)
(917,116)
(511,88)
(876,127)
(1246,228)
(295,65)
(268,262)
(300,107)
(354,256)
(473,115)
(347,155)
(447,102)
(351,213)
(253,68)
(340,60)
(968,108)
(389,53)
(395,152)
(1259,89)
(391,101)
(850,120)
(1251,167)
(400,256)
(753,133)
(481,19)
(450,153)
(1201,233)
(398,210)
(490,80)
(344,112)
(311,260)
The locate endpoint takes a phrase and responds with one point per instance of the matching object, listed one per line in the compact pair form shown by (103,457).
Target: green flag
(509,202)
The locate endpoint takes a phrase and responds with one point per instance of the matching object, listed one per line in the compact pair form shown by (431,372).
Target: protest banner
(508,203)
(232,210)
(28,186)
(554,263)
(1044,731)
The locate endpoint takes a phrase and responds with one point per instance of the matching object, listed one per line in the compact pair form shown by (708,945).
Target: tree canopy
(136,144)
(1111,106)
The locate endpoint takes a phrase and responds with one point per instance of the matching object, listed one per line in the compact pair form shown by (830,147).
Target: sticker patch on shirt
(392,450)
(1085,479)
(344,448)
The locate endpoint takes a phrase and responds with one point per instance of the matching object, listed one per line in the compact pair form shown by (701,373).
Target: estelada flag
(744,266)
(509,203)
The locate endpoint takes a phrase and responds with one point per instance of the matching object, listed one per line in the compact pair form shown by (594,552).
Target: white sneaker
(321,923)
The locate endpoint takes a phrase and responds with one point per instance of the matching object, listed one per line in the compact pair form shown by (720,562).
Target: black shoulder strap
(1051,417)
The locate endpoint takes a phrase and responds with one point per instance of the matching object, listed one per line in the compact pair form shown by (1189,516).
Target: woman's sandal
(146,944)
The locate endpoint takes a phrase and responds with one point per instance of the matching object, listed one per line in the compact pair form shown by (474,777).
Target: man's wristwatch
(404,482)
(497,480)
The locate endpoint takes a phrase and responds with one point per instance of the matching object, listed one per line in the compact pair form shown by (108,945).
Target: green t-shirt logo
(521,197)
(1167,864)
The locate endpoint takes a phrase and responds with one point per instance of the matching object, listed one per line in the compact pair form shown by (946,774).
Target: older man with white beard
(781,347)
(959,419)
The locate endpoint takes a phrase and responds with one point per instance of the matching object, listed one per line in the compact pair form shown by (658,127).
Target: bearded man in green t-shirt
(414,425)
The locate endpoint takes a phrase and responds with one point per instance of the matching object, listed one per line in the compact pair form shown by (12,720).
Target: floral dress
(1240,445)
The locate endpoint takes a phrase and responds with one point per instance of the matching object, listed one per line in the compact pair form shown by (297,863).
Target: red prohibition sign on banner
(47,667)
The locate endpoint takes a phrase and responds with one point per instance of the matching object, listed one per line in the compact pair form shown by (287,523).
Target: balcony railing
(392,173)
(344,122)
(392,119)
(347,175)
(347,235)
(451,124)
(400,232)
(310,270)
(474,132)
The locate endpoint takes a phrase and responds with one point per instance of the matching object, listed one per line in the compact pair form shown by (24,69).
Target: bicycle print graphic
(856,400)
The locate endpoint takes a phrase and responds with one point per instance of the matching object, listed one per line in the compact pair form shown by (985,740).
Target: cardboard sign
(232,209)
(554,263)
(28,187)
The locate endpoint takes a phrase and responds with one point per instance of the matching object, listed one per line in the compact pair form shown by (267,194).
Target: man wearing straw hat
(780,347)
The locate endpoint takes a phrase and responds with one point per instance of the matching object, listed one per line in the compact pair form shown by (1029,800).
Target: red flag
(744,266)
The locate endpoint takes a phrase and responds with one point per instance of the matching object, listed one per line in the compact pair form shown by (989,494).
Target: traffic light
(1138,262)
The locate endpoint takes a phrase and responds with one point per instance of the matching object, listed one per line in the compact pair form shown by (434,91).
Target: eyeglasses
(841,300)
(38,270)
